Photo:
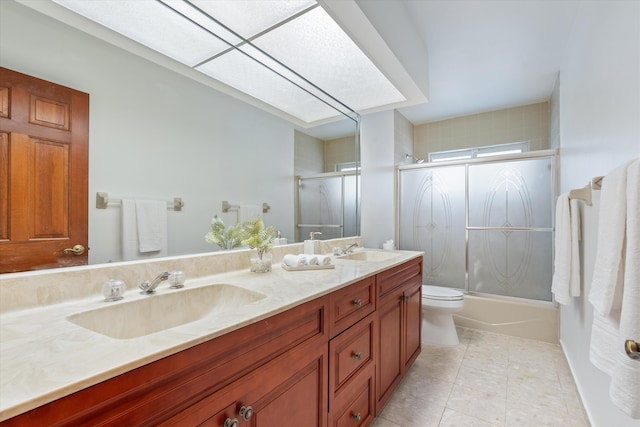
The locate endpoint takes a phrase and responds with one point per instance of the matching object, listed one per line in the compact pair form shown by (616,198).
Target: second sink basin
(370,255)
(156,313)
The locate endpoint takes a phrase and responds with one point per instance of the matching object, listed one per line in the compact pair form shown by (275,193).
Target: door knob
(633,349)
(76,250)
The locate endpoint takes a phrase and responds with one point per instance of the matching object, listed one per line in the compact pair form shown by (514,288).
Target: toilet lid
(440,293)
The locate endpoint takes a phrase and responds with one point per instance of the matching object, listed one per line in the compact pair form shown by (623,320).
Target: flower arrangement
(257,236)
(225,237)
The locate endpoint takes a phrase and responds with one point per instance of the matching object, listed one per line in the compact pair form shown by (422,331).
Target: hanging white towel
(607,271)
(248,213)
(625,380)
(615,292)
(152,225)
(566,275)
(144,229)
(129,230)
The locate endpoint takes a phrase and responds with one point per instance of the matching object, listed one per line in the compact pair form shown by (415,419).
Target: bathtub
(531,319)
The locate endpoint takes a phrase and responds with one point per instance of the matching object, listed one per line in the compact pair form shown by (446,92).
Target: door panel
(44,138)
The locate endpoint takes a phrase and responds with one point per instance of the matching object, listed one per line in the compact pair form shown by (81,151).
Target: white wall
(157,134)
(599,130)
(378,188)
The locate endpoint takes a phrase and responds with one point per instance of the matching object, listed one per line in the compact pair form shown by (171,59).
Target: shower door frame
(551,154)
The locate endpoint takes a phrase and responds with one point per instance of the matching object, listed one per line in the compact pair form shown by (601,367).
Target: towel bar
(102,201)
(226,207)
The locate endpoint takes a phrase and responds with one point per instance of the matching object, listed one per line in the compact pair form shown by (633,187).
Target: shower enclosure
(328,203)
(486,226)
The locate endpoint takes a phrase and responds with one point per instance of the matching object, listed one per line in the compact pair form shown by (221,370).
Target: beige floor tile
(381,422)
(452,418)
(488,380)
(426,388)
(487,404)
(409,411)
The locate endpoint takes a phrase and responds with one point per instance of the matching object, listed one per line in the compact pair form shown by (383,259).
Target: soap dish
(308,267)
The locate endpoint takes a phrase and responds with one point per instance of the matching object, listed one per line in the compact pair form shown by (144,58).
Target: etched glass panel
(432,219)
(321,207)
(511,263)
(511,194)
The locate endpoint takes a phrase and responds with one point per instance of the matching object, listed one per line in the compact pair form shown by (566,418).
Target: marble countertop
(44,356)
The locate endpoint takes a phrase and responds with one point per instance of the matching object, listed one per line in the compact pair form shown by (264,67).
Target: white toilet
(438,306)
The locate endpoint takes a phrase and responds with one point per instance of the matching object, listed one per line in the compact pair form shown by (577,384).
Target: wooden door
(44,145)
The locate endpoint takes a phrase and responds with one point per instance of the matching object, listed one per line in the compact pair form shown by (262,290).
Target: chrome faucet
(349,248)
(149,288)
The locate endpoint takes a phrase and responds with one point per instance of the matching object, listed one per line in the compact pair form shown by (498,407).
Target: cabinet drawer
(348,305)
(349,352)
(409,272)
(358,402)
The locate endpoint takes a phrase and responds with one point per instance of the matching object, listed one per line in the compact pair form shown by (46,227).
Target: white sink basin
(370,255)
(156,313)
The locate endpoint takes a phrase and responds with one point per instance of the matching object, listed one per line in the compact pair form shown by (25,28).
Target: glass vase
(260,265)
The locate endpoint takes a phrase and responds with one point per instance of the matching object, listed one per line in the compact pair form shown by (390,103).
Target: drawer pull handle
(357,416)
(246,412)
(357,303)
(230,422)
(357,355)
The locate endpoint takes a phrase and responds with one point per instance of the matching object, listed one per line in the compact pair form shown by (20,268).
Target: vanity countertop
(44,356)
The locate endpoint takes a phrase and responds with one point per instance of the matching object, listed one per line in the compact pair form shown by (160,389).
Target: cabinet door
(413,324)
(291,390)
(389,348)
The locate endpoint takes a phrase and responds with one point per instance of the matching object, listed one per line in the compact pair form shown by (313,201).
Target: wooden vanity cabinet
(161,390)
(333,361)
(399,322)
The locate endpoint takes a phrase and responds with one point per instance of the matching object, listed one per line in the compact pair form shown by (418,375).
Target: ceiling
(486,55)
(447,58)
(473,55)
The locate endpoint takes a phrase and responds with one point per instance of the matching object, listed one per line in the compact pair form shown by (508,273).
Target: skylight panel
(152,24)
(243,73)
(316,47)
(250,17)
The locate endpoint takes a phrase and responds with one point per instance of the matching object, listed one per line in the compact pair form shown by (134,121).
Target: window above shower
(479,152)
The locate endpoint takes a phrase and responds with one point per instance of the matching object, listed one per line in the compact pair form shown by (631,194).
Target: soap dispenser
(312,246)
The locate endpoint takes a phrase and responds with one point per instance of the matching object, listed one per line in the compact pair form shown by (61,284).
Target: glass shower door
(321,206)
(511,228)
(486,227)
(432,219)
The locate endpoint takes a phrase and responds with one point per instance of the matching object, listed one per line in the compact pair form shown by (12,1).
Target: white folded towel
(324,260)
(313,260)
(566,275)
(291,260)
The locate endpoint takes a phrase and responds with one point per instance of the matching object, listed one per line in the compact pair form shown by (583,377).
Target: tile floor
(487,380)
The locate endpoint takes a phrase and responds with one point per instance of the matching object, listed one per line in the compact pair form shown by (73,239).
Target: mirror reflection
(157,132)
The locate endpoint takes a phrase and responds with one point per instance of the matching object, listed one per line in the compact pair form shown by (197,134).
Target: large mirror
(157,132)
